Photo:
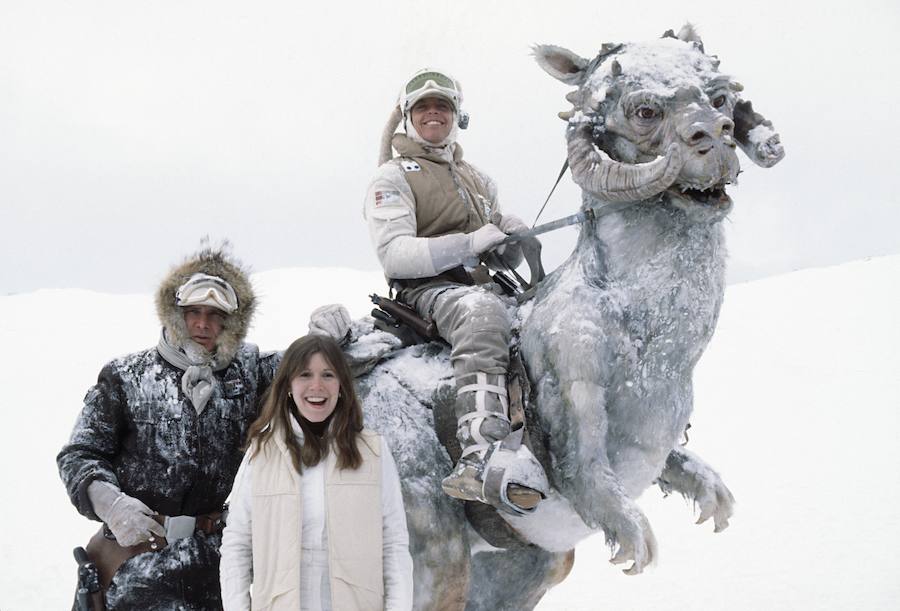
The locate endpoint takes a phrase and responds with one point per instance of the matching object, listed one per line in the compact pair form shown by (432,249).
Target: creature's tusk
(614,181)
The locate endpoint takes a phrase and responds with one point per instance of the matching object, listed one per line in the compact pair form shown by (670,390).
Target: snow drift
(796,402)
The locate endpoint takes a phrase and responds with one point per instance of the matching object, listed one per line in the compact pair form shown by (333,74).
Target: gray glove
(332,320)
(510,223)
(484,238)
(127,518)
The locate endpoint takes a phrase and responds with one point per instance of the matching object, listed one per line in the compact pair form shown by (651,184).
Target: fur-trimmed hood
(215,262)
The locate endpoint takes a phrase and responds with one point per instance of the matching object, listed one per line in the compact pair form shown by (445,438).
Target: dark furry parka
(138,431)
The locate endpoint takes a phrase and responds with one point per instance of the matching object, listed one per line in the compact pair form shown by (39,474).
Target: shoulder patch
(386,197)
(409,165)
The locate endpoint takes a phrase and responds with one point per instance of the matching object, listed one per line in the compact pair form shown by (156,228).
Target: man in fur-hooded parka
(164,427)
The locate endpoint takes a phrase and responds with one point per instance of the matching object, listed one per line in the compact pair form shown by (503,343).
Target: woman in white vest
(316,518)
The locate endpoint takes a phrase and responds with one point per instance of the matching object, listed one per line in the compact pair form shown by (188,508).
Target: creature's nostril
(704,151)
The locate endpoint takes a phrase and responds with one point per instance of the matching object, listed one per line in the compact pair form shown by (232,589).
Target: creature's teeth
(566,115)
(573,97)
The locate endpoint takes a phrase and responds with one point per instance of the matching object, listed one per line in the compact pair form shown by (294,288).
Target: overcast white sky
(129,129)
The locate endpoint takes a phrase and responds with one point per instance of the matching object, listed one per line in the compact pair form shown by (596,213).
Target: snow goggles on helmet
(431,83)
(203,289)
(421,80)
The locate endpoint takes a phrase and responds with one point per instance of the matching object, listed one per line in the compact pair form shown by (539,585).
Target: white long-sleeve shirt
(236,572)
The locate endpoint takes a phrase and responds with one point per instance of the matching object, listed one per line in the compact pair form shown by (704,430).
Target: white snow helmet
(429,82)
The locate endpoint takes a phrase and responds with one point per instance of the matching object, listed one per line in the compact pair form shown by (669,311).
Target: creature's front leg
(593,487)
(690,476)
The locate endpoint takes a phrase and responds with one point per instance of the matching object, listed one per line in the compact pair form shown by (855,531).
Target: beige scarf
(198,366)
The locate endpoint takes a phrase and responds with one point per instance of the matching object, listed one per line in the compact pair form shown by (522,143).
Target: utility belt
(399,317)
(107,555)
(458,275)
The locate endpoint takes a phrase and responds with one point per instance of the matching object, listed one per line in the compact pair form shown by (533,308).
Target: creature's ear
(689,33)
(561,63)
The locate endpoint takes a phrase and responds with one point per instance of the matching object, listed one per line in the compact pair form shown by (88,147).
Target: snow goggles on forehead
(203,289)
(431,83)
(439,81)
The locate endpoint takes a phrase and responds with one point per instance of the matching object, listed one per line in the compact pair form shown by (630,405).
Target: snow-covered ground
(796,404)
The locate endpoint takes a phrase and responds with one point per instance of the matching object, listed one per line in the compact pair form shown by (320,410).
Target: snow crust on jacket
(239,547)
(138,431)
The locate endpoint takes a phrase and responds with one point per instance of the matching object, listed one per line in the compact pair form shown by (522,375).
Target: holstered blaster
(401,314)
(88,596)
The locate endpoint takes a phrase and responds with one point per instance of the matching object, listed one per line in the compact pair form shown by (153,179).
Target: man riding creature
(434,220)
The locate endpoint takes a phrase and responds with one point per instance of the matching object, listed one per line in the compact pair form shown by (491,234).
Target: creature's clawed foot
(715,501)
(687,474)
(631,532)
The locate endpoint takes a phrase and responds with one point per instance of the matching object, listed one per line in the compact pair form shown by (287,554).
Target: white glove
(510,223)
(332,320)
(484,238)
(127,518)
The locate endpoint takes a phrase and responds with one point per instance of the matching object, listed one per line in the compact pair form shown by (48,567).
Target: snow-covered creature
(610,340)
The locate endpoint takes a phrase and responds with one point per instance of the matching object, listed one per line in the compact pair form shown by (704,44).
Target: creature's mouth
(713,195)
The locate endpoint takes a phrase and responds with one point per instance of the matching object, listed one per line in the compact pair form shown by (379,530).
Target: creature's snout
(704,131)
(710,151)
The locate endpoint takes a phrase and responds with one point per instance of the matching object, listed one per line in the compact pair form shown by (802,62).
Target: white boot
(494,468)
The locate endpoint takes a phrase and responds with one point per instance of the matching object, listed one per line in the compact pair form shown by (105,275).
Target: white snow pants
(474,320)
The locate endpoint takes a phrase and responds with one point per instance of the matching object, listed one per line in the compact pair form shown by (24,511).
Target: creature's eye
(719,101)
(646,113)
(644,108)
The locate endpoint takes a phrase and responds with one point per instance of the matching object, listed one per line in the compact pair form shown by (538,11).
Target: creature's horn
(763,146)
(614,181)
(385,153)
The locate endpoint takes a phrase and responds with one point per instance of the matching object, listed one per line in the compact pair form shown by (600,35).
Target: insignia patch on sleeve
(234,387)
(386,197)
(409,165)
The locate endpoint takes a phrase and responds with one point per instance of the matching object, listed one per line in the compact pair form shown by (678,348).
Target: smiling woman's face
(432,118)
(316,389)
